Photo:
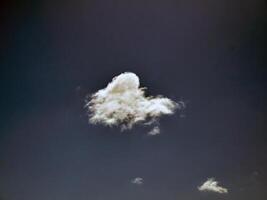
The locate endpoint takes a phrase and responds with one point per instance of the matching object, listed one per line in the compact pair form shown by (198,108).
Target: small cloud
(123,103)
(181,104)
(137,181)
(255,173)
(212,186)
(154,131)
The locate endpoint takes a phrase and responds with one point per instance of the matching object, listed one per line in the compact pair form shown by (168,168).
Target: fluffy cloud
(212,186)
(137,181)
(154,131)
(124,103)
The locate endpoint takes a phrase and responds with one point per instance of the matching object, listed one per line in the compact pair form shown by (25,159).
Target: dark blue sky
(212,54)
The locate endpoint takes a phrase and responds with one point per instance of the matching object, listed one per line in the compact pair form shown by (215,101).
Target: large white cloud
(124,103)
(212,186)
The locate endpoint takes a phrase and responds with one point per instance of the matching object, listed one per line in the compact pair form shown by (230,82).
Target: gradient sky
(211,54)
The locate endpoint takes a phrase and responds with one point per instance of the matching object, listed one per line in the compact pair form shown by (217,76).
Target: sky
(209,54)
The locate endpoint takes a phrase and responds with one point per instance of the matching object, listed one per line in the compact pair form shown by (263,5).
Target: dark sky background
(211,54)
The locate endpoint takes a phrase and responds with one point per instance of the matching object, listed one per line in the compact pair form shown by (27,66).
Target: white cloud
(137,181)
(212,186)
(124,103)
(154,131)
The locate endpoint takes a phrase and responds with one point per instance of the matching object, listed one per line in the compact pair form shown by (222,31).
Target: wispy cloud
(137,181)
(124,103)
(212,186)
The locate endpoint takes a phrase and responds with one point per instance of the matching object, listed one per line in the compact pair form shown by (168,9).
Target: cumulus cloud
(154,131)
(212,186)
(137,181)
(124,103)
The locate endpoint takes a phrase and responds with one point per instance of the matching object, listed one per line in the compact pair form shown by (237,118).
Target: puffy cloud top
(123,103)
